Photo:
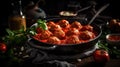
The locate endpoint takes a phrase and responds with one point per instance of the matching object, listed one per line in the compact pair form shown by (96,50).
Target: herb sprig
(16,37)
(40,23)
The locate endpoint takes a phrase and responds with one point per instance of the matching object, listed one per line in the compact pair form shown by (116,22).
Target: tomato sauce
(66,35)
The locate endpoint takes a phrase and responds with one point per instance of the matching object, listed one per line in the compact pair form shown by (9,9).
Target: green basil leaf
(10,33)
(42,24)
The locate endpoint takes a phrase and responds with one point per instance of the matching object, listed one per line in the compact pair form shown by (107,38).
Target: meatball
(87,27)
(50,23)
(76,24)
(37,36)
(45,34)
(74,39)
(59,33)
(86,35)
(64,23)
(39,30)
(55,27)
(53,40)
(72,31)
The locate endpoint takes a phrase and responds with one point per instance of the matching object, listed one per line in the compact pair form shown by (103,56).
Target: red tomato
(3,47)
(101,56)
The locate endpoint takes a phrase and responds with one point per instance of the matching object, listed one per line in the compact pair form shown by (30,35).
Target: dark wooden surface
(86,62)
(89,62)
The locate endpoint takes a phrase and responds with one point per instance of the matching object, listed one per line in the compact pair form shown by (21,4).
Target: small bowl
(67,13)
(113,39)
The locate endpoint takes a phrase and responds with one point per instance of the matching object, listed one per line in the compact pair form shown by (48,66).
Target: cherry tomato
(101,56)
(3,47)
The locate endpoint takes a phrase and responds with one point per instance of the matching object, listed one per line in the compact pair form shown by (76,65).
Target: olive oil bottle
(17,19)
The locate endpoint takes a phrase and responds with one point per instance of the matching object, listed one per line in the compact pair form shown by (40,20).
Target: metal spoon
(98,12)
(71,13)
(82,10)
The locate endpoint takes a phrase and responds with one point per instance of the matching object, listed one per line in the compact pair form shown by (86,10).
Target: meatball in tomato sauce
(87,27)
(59,33)
(53,40)
(55,27)
(76,24)
(72,31)
(86,35)
(45,34)
(64,23)
(73,39)
(39,30)
(50,23)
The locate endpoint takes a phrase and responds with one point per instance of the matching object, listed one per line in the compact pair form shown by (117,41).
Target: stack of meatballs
(64,32)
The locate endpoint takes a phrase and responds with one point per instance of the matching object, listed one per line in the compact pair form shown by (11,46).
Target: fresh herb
(16,37)
(112,50)
(40,23)
(103,45)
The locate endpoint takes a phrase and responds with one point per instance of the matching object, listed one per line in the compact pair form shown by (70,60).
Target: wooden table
(89,62)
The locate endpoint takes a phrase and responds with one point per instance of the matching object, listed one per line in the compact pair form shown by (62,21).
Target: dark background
(52,7)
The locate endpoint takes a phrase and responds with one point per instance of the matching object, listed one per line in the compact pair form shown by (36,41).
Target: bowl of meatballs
(66,35)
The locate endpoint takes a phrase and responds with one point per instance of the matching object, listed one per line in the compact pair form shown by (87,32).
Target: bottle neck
(17,8)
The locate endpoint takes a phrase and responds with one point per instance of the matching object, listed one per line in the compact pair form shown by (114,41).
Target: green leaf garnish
(42,24)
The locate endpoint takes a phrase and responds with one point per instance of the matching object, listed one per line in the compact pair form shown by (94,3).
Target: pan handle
(32,44)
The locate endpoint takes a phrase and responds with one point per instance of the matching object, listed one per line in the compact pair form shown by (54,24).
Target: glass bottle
(17,19)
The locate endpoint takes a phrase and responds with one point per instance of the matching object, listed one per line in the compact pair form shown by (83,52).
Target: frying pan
(69,48)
